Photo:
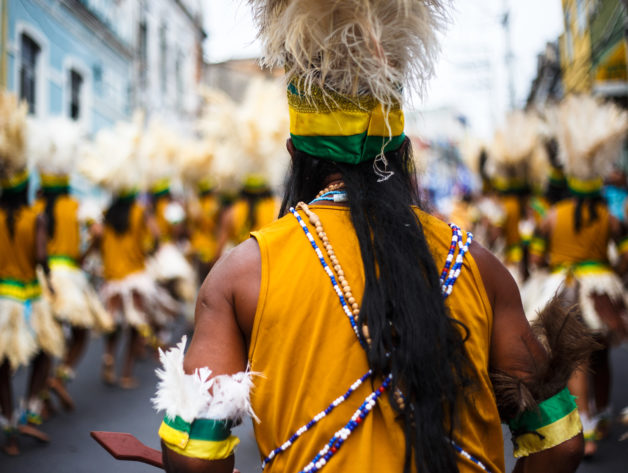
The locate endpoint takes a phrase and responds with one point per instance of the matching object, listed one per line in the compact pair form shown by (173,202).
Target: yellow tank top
(266,211)
(65,244)
(512,211)
(308,354)
(165,228)
(203,232)
(18,278)
(590,244)
(124,254)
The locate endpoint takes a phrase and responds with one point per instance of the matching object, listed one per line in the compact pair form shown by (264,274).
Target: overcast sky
(470,76)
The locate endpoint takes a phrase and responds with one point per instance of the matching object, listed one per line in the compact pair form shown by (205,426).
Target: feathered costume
(54,151)
(590,135)
(26,321)
(111,161)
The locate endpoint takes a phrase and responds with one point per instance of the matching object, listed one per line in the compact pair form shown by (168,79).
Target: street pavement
(99,407)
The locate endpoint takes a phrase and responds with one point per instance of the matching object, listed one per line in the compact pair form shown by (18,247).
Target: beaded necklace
(343,290)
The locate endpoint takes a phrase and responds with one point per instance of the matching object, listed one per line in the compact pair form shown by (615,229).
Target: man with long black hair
(369,335)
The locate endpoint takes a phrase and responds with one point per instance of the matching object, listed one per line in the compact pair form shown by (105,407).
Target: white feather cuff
(195,396)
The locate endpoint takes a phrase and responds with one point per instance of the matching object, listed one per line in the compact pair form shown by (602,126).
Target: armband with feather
(538,408)
(200,411)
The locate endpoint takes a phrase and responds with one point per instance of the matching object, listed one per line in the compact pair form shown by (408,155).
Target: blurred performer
(28,332)
(255,207)
(203,225)
(340,304)
(131,295)
(511,161)
(73,300)
(577,233)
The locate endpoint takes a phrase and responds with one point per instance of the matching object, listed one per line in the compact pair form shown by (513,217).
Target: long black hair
(51,196)
(118,214)
(413,336)
(12,202)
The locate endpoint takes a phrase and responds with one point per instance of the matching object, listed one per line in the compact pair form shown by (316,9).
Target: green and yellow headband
(15,183)
(255,183)
(160,188)
(54,181)
(347,129)
(206,185)
(585,187)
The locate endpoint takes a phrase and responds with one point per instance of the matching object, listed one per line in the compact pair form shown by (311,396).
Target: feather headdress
(13,135)
(111,160)
(347,64)
(54,145)
(590,134)
(352,47)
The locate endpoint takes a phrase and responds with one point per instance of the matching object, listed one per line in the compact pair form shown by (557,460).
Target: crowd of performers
(553,204)
(71,270)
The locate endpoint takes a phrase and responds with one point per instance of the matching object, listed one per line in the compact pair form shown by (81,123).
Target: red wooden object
(123,446)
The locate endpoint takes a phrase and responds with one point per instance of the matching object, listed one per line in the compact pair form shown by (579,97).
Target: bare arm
(517,352)
(225,310)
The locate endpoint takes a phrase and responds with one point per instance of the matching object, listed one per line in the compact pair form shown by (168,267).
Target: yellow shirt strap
(207,439)
(555,421)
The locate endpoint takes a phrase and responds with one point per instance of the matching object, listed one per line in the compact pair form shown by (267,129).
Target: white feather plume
(192,396)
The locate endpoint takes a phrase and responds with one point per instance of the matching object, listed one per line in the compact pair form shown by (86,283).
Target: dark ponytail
(51,196)
(118,214)
(413,336)
(12,203)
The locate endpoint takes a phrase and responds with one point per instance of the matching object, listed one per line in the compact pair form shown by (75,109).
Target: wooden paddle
(123,446)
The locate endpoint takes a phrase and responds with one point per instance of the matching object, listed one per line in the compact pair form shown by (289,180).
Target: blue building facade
(66,58)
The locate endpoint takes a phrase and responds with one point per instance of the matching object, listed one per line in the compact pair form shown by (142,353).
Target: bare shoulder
(235,281)
(496,278)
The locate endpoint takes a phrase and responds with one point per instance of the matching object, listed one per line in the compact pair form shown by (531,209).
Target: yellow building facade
(575,46)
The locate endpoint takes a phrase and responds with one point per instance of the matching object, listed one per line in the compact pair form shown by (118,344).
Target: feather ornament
(192,396)
(590,134)
(13,134)
(353,47)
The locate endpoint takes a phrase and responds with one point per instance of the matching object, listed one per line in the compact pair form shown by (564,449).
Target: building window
(163,54)
(76,88)
(143,50)
(29,55)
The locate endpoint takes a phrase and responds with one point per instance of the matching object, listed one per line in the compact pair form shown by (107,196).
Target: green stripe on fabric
(21,284)
(202,429)
(62,259)
(353,149)
(549,411)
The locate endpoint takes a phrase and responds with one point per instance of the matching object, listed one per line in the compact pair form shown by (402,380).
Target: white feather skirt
(25,329)
(157,306)
(542,286)
(74,300)
(169,264)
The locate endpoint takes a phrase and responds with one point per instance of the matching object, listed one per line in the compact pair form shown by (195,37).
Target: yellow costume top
(124,254)
(308,354)
(512,211)
(18,279)
(65,246)
(266,210)
(165,228)
(203,234)
(590,244)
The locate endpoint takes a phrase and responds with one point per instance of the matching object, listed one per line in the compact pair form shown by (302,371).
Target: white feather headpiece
(13,134)
(54,145)
(351,47)
(590,134)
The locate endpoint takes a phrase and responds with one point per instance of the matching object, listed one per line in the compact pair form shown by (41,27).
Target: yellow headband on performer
(16,182)
(341,128)
(160,187)
(54,181)
(585,187)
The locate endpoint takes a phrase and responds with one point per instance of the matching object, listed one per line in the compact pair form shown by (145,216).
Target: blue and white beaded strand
(300,431)
(319,253)
(334,444)
(462,452)
(450,275)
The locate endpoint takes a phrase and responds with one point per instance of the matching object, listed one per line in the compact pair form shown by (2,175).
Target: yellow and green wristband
(207,439)
(555,421)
